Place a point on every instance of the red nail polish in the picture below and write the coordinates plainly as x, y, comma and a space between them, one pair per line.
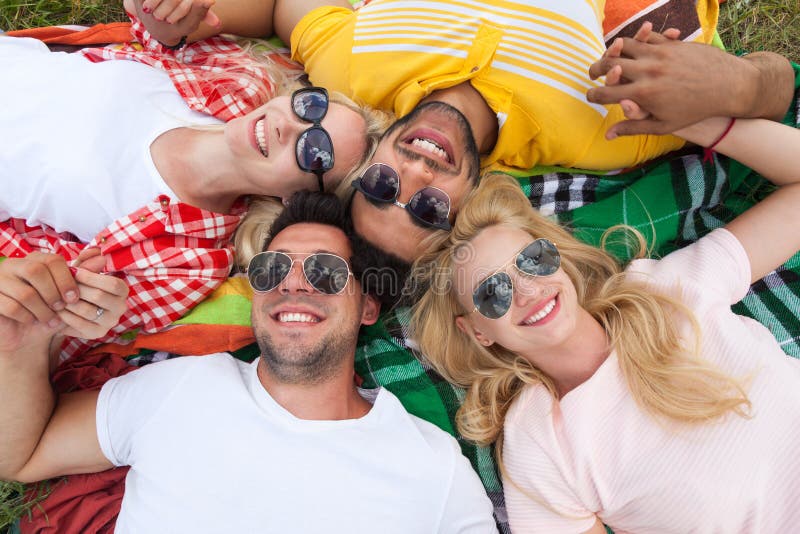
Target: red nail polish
146, 9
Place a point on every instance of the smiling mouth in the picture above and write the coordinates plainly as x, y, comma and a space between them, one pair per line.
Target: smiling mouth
428, 145
261, 137
541, 314
296, 317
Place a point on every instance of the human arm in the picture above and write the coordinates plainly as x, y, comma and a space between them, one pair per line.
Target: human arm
767, 231
680, 83
44, 436
172, 19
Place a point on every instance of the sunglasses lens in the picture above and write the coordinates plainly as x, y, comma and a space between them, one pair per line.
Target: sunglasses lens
310, 105
380, 182
315, 150
267, 270
492, 297
431, 206
540, 258
327, 273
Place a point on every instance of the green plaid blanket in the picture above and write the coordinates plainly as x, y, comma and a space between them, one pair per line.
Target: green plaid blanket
673, 202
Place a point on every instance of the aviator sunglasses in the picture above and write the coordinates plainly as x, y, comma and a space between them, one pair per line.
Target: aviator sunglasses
381, 183
314, 149
492, 297
327, 273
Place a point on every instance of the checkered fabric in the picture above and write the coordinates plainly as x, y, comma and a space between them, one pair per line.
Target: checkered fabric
171, 255
214, 76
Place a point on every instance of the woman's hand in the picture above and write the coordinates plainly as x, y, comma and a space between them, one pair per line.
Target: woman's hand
169, 21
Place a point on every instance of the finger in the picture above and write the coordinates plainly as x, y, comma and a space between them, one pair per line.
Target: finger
615, 50
148, 6
50, 275
95, 298
614, 76
643, 33
637, 127
103, 282
78, 326
212, 19
632, 110
23, 303
164, 9
672, 34
181, 10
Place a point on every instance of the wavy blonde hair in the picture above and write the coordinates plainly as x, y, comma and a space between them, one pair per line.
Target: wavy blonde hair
664, 377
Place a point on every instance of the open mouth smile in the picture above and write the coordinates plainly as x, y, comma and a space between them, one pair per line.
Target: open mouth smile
543, 313
261, 137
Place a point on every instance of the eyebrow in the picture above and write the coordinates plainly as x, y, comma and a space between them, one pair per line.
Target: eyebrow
318, 251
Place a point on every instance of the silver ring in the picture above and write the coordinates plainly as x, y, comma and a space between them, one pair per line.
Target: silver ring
99, 311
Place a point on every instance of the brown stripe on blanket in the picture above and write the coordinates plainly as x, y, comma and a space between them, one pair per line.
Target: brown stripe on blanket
681, 14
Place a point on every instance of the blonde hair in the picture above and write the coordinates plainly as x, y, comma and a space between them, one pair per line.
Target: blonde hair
664, 378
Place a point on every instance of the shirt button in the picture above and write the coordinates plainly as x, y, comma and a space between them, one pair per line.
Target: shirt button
142, 218
103, 239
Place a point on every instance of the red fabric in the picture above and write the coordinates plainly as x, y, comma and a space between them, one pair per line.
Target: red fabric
90, 503
114, 32
171, 255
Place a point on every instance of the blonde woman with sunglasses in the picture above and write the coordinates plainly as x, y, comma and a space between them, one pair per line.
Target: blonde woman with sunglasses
631, 396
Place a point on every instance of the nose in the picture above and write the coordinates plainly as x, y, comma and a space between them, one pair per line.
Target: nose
289, 128
414, 175
295, 281
528, 290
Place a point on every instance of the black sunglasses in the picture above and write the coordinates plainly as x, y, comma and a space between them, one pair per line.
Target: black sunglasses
381, 183
492, 297
327, 273
314, 149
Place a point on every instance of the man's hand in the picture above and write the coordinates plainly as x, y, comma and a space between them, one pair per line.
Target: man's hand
169, 21
39, 297
679, 83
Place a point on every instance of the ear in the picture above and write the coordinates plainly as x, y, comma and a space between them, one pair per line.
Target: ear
370, 310
468, 328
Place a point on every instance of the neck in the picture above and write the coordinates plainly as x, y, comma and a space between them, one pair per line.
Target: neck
194, 164
335, 399
579, 357
471, 104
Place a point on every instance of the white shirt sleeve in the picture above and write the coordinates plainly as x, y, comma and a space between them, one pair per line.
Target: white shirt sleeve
467, 510
128, 402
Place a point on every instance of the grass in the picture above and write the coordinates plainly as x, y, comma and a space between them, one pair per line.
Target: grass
745, 25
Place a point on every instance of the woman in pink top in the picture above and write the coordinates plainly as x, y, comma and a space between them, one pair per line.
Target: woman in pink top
632, 397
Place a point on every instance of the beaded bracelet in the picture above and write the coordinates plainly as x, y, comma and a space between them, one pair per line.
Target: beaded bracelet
708, 152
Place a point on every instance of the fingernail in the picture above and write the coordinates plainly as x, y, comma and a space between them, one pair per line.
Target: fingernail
147, 9
58, 306
71, 296
54, 323
611, 136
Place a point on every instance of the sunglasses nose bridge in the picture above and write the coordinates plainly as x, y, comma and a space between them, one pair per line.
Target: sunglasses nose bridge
295, 280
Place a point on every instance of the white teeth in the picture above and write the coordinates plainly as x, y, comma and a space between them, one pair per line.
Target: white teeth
287, 317
541, 314
261, 137
430, 146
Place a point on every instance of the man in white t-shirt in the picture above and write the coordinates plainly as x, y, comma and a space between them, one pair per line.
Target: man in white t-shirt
285, 444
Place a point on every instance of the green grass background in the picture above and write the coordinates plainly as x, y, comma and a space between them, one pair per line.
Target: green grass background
745, 26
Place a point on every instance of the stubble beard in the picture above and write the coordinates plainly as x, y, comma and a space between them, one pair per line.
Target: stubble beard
299, 364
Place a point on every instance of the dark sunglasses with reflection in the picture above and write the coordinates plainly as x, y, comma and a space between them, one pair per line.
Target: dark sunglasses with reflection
492, 298
314, 149
326, 273
381, 183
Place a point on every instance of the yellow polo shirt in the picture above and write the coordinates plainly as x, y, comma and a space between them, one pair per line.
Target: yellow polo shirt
530, 62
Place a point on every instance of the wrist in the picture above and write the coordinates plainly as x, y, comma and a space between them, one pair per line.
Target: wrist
176, 46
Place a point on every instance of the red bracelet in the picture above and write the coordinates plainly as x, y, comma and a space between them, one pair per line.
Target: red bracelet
708, 152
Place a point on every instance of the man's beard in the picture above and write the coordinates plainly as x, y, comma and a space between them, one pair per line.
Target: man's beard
298, 364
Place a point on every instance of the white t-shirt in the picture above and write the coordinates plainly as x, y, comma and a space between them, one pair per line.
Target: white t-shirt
211, 451
75, 136
597, 452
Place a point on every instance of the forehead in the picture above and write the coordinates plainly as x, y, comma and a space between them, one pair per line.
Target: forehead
490, 250
348, 131
312, 237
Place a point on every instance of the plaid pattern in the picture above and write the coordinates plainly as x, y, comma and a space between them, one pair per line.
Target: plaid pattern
171, 255
214, 76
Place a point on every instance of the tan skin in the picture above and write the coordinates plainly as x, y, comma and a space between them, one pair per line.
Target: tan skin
47, 436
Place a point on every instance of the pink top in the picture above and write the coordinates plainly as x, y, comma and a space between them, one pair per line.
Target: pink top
597, 453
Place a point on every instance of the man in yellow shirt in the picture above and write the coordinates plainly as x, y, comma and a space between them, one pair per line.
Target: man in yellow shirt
506, 79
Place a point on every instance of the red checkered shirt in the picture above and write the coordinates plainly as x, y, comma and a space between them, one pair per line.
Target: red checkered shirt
170, 254
214, 76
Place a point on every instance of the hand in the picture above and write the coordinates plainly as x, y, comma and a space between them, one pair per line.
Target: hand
676, 83
170, 20
39, 297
